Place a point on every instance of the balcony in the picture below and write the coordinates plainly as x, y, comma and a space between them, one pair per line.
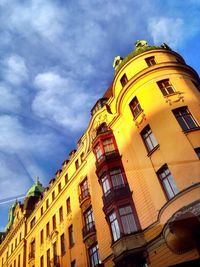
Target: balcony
84, 195
84, 199
115, 194
88, 231
130, 249
107, 157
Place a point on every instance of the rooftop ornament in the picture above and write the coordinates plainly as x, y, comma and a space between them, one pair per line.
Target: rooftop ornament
140, 46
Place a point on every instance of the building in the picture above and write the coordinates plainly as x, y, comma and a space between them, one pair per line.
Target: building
129, 196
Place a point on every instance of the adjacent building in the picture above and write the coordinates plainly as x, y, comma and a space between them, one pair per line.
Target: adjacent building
129, 195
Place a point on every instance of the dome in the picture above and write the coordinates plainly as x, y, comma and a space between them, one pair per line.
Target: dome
35, 190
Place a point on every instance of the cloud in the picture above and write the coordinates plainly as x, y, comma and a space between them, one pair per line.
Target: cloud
15, 70
9, 101
167, 30
62, 100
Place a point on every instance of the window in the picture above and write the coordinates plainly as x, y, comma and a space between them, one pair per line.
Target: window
32, 250
47, 230
127, 219
15, 242
14, 263
54, 221
54, 249
68, 203
185, 118
149, 138
71, 235
94, 255
167, 182
135, 107
165, 87
42, 261
150, 61
62, 244
84, 189
98, 151
124, 80
59, 188
48, 257
89, 219
41, 236
41, 211
108, 145
77, 164
61, 214
197, 150
66, 178
114, 226
19, 261
117, 178
53, 195
105, 184
32, 222
47, 204
20, 237
73, 263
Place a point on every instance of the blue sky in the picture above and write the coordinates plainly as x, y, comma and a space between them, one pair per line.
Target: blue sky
56, 61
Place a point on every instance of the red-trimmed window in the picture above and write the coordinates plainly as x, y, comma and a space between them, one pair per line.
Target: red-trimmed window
105, 184
112, 179
98, 151
108, 145
105, 146
122, 222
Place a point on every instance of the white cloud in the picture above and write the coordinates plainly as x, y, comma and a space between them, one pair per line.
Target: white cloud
37, 16
8, 100
167, 30
62, 101
15, 70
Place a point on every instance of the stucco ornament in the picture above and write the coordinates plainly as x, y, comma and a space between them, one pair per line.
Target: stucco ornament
141, 44
117, 61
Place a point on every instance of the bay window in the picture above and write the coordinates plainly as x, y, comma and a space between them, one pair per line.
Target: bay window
122, 222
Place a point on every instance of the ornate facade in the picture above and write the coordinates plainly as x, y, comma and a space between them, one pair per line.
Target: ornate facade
129, 196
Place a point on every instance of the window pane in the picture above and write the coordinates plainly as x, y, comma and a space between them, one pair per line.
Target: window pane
114, 226
167, 181
185, 118
117, 178
128, 221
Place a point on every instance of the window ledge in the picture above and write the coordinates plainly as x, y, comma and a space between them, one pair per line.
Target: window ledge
141, 112
152, 151
191, 130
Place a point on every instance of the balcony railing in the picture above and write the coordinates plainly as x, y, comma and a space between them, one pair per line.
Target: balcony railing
84, 195
88, 230
116, 193
107, 157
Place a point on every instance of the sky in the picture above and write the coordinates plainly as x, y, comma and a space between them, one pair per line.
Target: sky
56, 61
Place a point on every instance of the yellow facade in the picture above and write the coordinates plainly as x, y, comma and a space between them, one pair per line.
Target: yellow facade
130, 194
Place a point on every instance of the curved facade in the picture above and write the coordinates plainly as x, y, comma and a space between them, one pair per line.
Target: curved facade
130, 194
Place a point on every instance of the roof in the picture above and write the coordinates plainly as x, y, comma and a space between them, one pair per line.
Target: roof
36, 189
